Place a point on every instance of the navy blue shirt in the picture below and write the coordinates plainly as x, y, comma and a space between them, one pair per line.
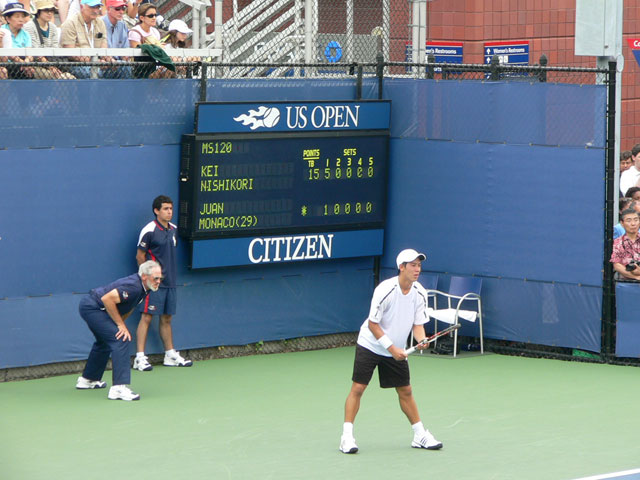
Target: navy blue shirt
130, 290
160, 244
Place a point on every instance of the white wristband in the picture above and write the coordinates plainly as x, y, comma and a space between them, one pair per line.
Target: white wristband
385, 342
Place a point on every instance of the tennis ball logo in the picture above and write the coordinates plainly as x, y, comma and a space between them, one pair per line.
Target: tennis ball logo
262, 117
271, 117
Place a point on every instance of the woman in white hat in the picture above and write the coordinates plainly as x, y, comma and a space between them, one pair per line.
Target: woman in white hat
177, 38
178, 34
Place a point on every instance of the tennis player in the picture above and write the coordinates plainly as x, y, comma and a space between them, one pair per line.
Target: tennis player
399, 305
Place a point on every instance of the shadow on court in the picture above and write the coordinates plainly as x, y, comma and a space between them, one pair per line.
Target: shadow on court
280, 417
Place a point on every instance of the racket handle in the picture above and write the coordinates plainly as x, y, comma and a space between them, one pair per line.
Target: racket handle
410, 350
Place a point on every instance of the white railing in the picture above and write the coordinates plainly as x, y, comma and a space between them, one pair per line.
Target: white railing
204, 53
267, 31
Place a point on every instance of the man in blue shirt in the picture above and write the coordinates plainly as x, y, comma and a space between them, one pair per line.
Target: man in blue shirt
117, 35
158, 241
117, 31
105, 310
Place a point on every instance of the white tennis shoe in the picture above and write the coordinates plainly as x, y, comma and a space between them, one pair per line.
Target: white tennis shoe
176, 360
426, 440
122, 392
85, 384
348, 444
142, 363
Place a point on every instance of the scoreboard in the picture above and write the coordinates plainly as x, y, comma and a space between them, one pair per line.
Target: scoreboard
301, 172
237, 185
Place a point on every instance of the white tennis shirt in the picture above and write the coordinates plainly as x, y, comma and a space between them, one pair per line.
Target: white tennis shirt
396, 314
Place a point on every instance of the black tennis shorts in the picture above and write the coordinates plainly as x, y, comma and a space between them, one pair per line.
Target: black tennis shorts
391, 373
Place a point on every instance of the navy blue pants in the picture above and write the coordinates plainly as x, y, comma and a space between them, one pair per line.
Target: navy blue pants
106, 344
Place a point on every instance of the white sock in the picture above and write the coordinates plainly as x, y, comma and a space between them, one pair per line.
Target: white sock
171, 352
139, 354
418, 428
347, 429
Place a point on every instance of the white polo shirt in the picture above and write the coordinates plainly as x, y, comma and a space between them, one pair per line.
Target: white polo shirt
629, 178
396, 314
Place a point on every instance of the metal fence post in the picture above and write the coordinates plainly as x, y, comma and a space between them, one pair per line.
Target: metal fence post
542, 74
429, 71
94, 69
379, 72
608, 283
495, 68
204, 74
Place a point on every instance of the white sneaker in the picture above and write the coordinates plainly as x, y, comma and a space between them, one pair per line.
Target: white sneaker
122, 392
426, 441
348, 444
176, 361
142, 364
85, 384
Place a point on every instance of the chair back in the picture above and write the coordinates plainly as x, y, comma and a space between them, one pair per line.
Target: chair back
462, 285
428, 281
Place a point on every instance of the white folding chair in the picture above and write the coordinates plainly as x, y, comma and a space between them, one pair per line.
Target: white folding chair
461, 290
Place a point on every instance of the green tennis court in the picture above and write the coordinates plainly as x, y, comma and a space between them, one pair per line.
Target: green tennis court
280, 417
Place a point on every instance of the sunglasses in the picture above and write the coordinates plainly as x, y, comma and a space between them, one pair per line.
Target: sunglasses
151, 15
120, 9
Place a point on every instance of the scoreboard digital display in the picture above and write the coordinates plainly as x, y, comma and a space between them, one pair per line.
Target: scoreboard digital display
243, 184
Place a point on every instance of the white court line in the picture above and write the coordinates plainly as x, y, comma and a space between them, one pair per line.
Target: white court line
610, 475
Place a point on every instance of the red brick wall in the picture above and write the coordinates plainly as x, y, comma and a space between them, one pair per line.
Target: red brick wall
549, 26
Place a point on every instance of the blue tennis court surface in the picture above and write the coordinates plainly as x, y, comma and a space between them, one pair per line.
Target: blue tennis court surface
625, 475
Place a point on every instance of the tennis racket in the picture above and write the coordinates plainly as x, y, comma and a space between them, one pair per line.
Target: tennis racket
433, 337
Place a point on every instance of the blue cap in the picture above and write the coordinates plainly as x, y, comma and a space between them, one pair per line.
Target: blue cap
91, 3
13, 8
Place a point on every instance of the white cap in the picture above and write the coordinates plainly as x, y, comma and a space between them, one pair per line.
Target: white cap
409, 255
179, 26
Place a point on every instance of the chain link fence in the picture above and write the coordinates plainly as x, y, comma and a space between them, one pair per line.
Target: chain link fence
350, 67
142, 67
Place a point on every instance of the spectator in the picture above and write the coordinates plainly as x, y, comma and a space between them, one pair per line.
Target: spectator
177, 38
633, 193
623, 204
117, 34
145, 31
178, 34
625, 161
86, 30
117, 31
626, 249
45, 34
5, 42
630, 177
68, 9
16, 17
42, 30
